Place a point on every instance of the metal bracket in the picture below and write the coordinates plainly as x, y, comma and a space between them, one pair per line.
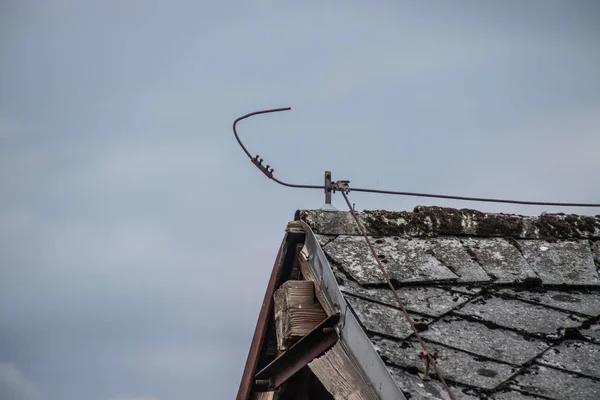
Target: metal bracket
427, 356
311, 346
332, 187
268, 171
341, 186
327, 187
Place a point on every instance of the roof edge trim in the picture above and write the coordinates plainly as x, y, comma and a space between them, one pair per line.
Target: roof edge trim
352, 337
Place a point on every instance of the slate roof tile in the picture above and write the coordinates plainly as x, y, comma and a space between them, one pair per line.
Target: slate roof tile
452, 253
500, 259
406, 260
477, 285
595, 247
417, 389
513, 395
574, 356
561, 263
430, 301
324, 239
556, 384
384, 320
498, 344
521, 316
455, 365
573, 300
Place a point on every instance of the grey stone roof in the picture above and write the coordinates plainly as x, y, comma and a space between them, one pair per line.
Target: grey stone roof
511, 303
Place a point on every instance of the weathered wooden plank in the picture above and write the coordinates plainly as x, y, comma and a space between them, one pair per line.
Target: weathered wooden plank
263, 396
310, 276
295, 273
295, 227
297, 312
341, 376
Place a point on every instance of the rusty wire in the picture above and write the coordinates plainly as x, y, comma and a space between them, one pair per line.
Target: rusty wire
430, 357
268, 171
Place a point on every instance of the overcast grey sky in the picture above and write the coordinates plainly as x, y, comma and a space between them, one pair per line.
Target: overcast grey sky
136, 239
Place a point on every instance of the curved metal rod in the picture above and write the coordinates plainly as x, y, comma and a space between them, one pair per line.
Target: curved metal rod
267, 170
272, 110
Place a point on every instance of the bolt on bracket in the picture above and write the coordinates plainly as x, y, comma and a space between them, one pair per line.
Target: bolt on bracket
332, 187
427, 356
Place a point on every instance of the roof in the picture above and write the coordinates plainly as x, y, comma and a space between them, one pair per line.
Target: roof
510, 303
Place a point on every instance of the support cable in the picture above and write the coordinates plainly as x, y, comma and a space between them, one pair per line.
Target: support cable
268, 171
430, 357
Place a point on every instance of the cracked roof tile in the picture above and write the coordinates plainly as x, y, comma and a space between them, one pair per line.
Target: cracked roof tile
430, 301
570, 300
500, 259
519, 315
561, 263
384, 320
475, 337
324, 239
405, 260
417, 389
555, 384
456, 366
452, 253
574, 356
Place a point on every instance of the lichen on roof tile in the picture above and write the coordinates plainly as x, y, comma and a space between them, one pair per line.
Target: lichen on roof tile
440, 221
596, 252
424, 300
520, 316
416, 388
587, 303
329, 222
500, 259
452, 253
563, 262
324, 239
405, 260
556, 384
475, 337
456, 366
383, 320
574, 356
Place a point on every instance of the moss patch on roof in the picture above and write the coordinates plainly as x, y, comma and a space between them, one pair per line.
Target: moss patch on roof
441, 221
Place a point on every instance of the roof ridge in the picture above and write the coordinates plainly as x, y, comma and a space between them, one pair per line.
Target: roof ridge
442, 221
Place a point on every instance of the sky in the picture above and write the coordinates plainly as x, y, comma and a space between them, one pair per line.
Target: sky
136, 239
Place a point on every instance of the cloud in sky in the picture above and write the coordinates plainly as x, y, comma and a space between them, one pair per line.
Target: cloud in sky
14, 385
136, 240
